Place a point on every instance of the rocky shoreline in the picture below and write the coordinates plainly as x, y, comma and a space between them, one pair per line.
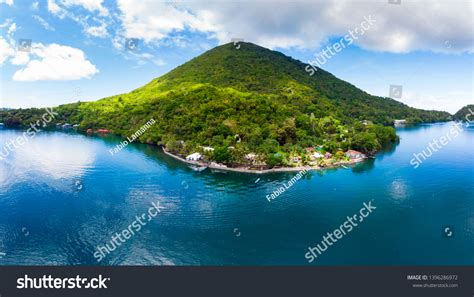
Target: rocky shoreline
262, 171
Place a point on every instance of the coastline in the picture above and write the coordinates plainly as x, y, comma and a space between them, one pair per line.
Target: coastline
263, 171
216, 166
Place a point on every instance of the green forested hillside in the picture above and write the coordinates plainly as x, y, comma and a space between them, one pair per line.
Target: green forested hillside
244, 100
464, 112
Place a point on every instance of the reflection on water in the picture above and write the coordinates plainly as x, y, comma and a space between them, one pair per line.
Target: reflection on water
72, 195
365, 166
398, 190
48, 156
54, 157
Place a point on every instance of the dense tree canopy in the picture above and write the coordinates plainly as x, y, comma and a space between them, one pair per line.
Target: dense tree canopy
241, 101
463, 113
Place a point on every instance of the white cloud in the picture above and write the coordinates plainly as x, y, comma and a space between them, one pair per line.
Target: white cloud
96, 31
90, 5
144, 58
8, 2
59, 7
35, 5
6, 50
11, 29
43, 23
95, 11
54, 8
7, 23
20, 58
154, 20
443, 26
55, 62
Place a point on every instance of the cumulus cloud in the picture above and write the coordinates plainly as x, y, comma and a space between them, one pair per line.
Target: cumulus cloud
153, 20
8, 2
96, 31
55, 62
6, 50
59, 7
20, 58
444, 26
94, 11
90, 5
54, 8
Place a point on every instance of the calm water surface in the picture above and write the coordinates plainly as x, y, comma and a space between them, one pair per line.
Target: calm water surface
215, 218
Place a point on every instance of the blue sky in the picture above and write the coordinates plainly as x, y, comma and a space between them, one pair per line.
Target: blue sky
78, 47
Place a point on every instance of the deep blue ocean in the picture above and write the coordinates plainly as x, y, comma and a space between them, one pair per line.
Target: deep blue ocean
63, 194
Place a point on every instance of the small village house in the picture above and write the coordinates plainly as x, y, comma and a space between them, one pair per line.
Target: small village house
399, 123
296, 159
352, 154
315, 156
194, 157
250, 157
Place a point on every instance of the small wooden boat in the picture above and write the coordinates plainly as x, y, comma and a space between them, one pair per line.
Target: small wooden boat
198, 168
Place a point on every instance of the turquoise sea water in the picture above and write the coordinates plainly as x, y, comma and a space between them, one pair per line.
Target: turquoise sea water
63, 194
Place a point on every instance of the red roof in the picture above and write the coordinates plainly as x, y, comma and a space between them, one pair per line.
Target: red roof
310, 149
352, 152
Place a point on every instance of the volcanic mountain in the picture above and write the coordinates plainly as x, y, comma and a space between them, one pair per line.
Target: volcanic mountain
248, 98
